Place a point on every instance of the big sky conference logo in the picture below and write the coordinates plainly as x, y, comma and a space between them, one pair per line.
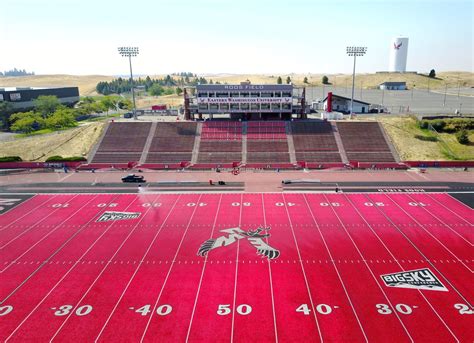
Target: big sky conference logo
255, 238
414, 279
109, 216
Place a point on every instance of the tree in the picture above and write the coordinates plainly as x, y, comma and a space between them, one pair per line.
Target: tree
6, 108
462, 137
46, 104
279, 80
26, 121
305, 80
155, 90
63, 117
432, 73
108, 103
325, 80
288, 80
179, 90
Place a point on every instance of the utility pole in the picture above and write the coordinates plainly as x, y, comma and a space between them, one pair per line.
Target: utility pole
127, 51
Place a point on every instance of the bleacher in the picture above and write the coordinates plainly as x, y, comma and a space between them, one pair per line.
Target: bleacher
221, 142
172, 143
315, 142
267, 142
364, 142
123, 142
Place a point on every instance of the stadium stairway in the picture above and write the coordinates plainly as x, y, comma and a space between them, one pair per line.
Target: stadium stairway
291, 143
244, 142
197, 144
146, 148
340, 146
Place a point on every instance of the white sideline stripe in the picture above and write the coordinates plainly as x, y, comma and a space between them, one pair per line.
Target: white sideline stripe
169, 270
420, 252
202, 273
335, 268
138, 267
432, 236
302, 268
396, 261
62, 278
270, 273
103, 269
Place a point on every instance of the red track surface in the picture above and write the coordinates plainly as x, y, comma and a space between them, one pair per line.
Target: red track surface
66, 277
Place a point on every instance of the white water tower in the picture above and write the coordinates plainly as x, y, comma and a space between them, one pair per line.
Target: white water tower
398, 55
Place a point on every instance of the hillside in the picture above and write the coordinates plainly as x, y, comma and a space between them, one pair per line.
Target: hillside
73, 142
86, 83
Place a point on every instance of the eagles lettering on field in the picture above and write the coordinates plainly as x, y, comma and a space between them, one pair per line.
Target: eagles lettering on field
255, 238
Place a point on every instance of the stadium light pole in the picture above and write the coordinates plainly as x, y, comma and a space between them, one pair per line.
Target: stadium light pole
354, 51
127, 51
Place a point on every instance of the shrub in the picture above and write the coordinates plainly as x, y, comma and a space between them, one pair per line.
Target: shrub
426, 138
10, 159
462, 137
438, 124
65, 159
423, 124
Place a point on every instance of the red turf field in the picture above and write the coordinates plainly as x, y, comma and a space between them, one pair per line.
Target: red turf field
67, 277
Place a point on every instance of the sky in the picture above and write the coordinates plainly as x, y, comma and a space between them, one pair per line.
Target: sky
236, 37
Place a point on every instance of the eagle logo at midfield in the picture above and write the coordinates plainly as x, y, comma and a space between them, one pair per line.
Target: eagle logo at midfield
397, 46
234, 234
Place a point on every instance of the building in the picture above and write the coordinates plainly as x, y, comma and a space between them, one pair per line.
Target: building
22, 98
333, 102
245, 101
398, 55
393, 86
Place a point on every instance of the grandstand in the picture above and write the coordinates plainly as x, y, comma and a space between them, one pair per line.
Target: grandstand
365, 142
212, 143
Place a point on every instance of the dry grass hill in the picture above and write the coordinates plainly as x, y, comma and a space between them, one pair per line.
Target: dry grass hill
87, 83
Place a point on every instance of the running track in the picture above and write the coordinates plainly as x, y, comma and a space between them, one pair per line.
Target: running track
67, 277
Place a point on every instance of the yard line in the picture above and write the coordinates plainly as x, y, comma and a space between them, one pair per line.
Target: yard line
450, 210
63, 277
27, 213
429, 233
105, 267
457, 215
202, 272
136, 270
302, 269
370, 270
169, 270
398, 263
236, 272
334, 265
419, 251
270, 271
31, 227
46, 236
50, 257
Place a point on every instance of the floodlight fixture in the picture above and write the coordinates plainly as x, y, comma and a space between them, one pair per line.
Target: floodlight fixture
355, 51
130, 51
